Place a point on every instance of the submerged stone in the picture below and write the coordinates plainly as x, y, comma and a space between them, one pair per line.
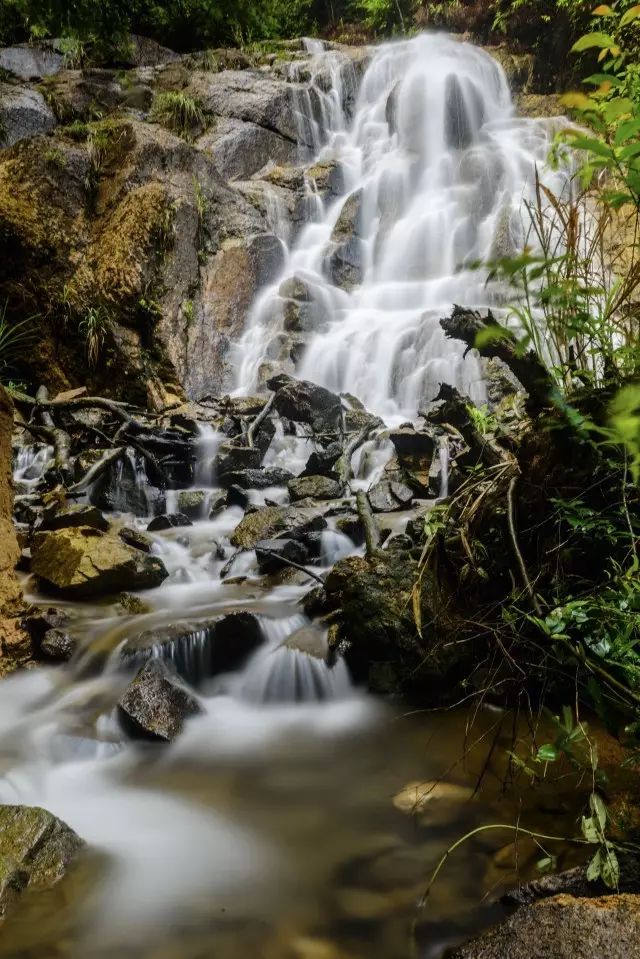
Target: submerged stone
36, 849
57, 646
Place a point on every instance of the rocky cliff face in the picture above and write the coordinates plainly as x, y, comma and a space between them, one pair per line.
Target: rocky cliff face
14, 645
131, 238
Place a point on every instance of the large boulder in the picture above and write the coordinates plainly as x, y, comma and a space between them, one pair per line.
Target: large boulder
28, 62
83, 562
36, 849
76, 514
563, 927
241, 148
156, 705
271, 522
23, 113
305, 402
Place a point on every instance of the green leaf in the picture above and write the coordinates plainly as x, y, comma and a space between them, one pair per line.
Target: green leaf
591, 40
590, 830
546, 864
626, 131
631, 14
594, 869
547, 753
492, 334
617, 108
592, 145
610, 868
598, 809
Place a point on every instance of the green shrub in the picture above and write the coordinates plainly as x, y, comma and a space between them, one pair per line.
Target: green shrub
179, 112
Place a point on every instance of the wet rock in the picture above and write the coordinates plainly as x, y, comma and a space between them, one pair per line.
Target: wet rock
352, 527
272, 554
346, 264
270, 521
236, 496
564, 927
57, 646
28, 62
199, 650
305, 402
125, 488
83, 562
135, 538
434, 802
259, 479
168, 521
192, 503
304, 317
388, 496
315, 487
23, 113
67, 517
295, 288
219, 501
39, 624
36, 849
233, 459
322, 461
327, 178
411, 442
372, 600
155, 705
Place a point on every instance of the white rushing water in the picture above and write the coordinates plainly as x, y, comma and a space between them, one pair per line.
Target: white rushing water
436, 166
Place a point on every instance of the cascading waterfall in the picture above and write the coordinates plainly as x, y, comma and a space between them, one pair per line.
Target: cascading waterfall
436, 167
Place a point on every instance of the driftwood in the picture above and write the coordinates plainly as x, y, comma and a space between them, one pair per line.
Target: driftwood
260, 418
354, 444
464, 324
97, 469
53, 437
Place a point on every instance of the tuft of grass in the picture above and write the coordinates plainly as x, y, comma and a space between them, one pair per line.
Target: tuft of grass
179, 113
93, 327
15, 339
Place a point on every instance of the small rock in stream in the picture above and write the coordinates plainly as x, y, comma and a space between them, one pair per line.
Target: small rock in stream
272, 554
315, 487
389, 496
168, 521
259, 478
156, 705
321, 462
58, 646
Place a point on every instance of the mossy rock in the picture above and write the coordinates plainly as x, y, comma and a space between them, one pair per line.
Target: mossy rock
35, 850
81, 562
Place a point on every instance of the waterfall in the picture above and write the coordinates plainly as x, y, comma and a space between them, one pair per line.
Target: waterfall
436, 167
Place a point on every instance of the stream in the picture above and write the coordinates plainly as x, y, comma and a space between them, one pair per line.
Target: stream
279, 823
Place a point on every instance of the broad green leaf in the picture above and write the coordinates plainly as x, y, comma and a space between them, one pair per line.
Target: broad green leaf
491, 334
594, 869
597, 78
626, 130
598, 810
628, 152
591, 40
631, 14
610, 869
590, 830
589, 144
547, 753
617, 108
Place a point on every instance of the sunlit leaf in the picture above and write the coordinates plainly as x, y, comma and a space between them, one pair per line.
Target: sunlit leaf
547, 753
577, 101
591, 40
631, 14
598, 809
610, 869
590, 829
594, 869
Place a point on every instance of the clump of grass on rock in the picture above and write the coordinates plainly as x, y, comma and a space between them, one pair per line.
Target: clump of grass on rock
179, 113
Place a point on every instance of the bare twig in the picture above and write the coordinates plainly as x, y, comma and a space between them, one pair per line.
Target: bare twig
260, 418
514, 540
